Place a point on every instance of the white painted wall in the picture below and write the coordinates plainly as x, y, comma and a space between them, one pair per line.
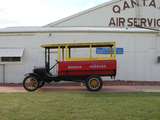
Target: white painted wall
33, 55
139, 59
137, 63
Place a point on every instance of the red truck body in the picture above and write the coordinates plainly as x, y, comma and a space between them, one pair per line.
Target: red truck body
86, 68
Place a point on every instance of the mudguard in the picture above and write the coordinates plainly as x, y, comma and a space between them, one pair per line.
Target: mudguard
32, 74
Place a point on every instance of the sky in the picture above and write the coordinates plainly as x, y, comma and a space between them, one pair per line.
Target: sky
40, 12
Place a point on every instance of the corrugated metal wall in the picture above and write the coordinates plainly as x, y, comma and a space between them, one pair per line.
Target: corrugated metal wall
139, 61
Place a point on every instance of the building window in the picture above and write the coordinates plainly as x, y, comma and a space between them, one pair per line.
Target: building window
11, 55
10, 59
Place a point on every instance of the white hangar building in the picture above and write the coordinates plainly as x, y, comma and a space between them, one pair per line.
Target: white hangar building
133, 24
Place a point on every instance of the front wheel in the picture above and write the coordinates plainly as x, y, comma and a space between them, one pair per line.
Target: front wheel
94, 83
31, 83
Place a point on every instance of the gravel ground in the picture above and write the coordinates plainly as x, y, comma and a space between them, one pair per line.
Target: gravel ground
107, 89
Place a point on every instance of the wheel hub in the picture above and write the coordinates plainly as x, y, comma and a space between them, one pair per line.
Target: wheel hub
31, 83
94, 83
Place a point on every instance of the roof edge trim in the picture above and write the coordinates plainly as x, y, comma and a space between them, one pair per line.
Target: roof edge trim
76, 29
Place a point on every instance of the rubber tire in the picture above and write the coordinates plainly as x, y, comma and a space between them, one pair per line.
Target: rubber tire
41, 84
87, 82
30, 89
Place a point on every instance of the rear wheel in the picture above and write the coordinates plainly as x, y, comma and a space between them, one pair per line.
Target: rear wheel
31, 83
94, 83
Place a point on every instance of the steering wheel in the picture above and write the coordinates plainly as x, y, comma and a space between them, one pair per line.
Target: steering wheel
57, 61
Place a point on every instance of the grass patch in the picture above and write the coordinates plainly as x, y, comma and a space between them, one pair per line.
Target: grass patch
80, 106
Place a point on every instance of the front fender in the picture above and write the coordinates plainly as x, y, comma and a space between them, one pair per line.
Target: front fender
32, 74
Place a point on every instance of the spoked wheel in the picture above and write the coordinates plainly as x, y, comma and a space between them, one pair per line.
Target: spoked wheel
94, 83
31, 83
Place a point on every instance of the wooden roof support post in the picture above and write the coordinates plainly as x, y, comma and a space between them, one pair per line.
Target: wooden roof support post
67, 52
90, 51
59, 53
62, 54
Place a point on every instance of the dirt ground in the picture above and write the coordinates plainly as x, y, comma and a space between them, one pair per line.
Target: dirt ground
72, 88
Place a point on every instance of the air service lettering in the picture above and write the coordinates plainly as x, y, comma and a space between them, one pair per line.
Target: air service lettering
133, 22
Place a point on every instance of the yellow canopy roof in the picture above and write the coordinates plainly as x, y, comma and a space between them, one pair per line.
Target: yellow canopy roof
80, 45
